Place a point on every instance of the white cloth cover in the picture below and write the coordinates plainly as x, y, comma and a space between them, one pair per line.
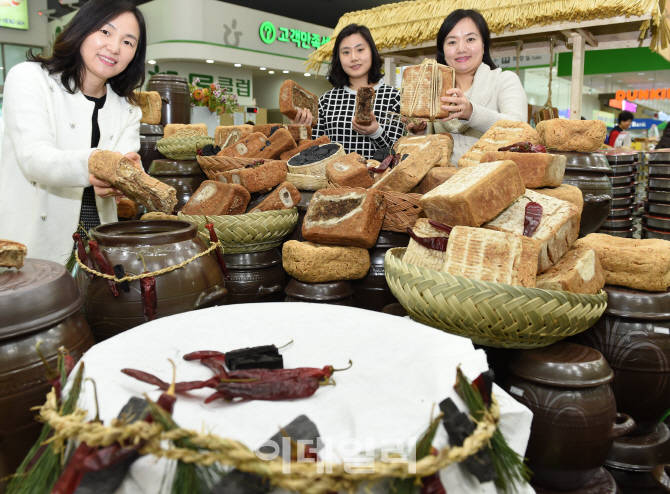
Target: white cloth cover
401, 371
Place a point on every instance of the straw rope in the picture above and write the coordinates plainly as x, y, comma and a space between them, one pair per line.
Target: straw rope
519, 44
308, 478
169, 269
433, 91
183, 148
402, 211
415, 22
492, 314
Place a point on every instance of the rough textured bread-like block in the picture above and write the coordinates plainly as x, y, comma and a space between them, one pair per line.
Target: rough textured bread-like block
122, 173
12, 254
170, 129
566, 192
584, 136
261, 177
126, 208
154, 215
474, 195
536, 169
492, 256
350, 217
365, 103
559, 225
302, 145
258, 145
349, 171
285, 196
638, 264
421, 256
411, 83
151, 106
412, 168
578, 271
227, 135
436, 177
313, 263
293, 97
216, 198
410, 143
298, 132
503, 133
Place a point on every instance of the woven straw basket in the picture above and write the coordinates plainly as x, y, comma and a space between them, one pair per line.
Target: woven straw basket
212, 165
489, 313
317, 169
402, 211
182, 148
307, 182
250, 232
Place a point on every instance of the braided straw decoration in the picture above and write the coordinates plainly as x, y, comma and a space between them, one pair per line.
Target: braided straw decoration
183, 148
308, 478
307, 182
488, 313
402, 211
249, 232
317, 169
169, 269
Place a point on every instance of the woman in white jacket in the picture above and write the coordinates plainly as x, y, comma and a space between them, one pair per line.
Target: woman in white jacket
58, 112
482, 94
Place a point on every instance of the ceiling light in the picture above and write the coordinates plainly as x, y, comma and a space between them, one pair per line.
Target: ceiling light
285, 71
307, 74
151, 61
640, 73
263, 68
608, 75
651, 79
271, 71
238, 65
209, 61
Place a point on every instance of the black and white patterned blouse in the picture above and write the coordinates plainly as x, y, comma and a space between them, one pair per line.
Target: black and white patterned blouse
336, 111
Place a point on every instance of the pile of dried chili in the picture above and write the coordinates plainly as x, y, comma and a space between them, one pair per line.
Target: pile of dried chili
524, 147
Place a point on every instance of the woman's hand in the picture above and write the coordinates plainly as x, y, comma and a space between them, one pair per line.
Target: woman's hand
135, 158
303, 117
463, 108
415, 128
104, 189
365, 130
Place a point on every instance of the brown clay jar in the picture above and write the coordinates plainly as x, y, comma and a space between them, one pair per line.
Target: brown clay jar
184, 176
333, 293
255, 277
634, 337
149, 136
176, 98
601, 483
566, 387
39, 302
162, 243
372, 292
588, 171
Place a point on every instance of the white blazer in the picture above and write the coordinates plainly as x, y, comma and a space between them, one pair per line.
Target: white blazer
45, 151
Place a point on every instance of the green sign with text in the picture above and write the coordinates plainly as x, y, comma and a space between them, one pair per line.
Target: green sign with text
302, 39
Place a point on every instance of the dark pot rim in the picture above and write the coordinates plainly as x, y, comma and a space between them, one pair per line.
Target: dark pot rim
155, 232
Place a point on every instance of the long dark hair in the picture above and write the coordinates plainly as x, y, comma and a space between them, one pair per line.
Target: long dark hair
66, 57
336, 74
450, 22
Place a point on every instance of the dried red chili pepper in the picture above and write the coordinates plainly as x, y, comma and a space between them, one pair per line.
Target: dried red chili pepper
71, 477
83, 256
434, 243
103, 264
524, 147
202, 354
432, 484
484, 384
287, 389
181, 387
440, 226
532, 218
148, 294
219, 257
386, 162
219, 395
273, 375
217, 366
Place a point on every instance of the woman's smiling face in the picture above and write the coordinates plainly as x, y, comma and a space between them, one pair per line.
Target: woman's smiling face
355, 56
463, 47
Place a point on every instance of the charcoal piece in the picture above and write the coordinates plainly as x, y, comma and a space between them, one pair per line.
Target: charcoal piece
382, 153
459, 427
267, 143
119, 272
404, 156
136, 409
237, 482
255, 362
210, 150
322, 152
251, 351
273, 130
311, 150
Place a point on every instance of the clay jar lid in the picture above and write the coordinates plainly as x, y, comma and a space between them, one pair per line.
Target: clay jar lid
151, 130
566, 365
595, 162
168, 78
253, 260
334, 290
306, 197
620, 156
388, 240
659, 156
639, 304
162, 167
640, 453
40, 294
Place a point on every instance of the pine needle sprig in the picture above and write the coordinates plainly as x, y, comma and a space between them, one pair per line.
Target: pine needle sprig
510, 467
189, 477
42, 466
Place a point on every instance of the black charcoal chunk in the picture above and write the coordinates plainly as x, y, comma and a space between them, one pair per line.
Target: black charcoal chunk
404, 156
136, 409
459, 427
263, 148
210, 150
300, 429
119, 272
254, 350
255, 362
274, 129
238, 482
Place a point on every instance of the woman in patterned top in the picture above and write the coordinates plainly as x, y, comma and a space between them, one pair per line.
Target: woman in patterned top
356, 63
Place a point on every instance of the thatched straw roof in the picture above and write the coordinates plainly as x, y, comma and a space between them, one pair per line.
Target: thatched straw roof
414, 22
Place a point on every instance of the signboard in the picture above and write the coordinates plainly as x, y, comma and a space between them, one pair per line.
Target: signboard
14, 14
644, 123
302, 39
524, 61
604, 116
640, 94
623, 105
